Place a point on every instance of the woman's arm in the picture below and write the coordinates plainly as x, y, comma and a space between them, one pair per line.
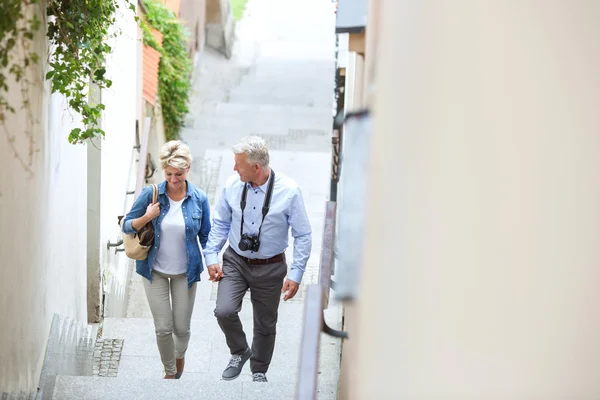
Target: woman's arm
141, 212
205, 226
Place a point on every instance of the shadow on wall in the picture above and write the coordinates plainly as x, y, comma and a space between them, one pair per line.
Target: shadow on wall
70, 351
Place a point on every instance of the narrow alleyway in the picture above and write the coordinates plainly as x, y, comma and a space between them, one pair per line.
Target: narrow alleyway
278, 84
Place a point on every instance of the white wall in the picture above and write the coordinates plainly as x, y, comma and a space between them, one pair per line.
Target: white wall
118, 155
483, 273
42, 233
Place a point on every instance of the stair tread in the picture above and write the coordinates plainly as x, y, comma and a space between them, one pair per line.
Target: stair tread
92, 388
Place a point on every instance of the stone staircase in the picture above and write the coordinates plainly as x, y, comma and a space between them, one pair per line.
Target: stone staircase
278, 84
139, 370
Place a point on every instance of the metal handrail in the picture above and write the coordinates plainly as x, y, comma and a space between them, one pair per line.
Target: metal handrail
326, 260
311, 340
316, 300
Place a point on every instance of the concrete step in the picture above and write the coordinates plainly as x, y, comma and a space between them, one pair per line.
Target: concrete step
296, 128
224, 140
94, 388
299, 88
207, 354
291, 99
271, 111
290, 69
299, 81
69, 351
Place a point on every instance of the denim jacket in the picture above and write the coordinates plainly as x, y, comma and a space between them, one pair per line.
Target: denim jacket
196, 213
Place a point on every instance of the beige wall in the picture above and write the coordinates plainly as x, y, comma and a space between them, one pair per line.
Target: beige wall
192, 13
215, 10
220, 26
483, 275
118, 160
353, 93
42, 233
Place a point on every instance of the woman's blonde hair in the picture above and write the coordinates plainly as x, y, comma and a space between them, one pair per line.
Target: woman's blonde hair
175, 154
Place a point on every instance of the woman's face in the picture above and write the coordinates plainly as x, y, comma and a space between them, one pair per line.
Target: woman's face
176, 177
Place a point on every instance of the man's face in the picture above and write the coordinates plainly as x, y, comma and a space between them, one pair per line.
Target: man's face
247, 172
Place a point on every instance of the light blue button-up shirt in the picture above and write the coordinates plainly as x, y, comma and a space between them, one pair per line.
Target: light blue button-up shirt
286, 211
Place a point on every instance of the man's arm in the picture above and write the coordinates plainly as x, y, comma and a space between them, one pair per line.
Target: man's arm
302, 235
219, 231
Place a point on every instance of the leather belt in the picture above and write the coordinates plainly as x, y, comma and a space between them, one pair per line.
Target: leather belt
263, 261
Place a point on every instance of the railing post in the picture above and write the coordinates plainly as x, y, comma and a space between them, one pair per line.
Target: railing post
326, 261
311, 339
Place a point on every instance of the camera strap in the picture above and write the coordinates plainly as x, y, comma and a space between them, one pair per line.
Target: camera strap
266, 203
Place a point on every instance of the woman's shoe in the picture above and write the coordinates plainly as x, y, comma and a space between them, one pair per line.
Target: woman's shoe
179, 363
170, 377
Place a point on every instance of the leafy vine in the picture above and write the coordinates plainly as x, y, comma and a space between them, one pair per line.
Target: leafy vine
175, 66
79, 33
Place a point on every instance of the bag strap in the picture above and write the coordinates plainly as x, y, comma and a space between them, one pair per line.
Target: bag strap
154, 194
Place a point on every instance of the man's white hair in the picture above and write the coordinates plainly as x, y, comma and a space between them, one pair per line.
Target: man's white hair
255, 148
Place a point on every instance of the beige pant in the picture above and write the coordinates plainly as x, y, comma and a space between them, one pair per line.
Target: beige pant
171, 304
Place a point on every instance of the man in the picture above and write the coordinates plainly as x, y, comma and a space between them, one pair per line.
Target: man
255, 259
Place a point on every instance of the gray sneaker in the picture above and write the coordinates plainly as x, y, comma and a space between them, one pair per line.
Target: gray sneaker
259, 377
234, 368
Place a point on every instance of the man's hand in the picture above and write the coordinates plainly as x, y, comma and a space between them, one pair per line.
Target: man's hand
291, 288
215, 273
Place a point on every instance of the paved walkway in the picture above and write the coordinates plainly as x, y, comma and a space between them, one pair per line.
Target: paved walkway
278, 84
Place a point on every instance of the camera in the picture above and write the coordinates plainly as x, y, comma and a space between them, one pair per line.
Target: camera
249, 242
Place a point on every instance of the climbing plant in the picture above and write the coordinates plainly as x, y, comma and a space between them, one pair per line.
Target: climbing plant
174, 68
78, 33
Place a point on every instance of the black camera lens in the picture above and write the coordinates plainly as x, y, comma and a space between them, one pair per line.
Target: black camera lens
244, 245
249, 242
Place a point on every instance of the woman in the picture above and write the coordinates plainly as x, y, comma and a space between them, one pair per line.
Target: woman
174, 263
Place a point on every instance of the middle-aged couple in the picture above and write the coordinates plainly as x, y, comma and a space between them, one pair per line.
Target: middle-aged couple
255, 258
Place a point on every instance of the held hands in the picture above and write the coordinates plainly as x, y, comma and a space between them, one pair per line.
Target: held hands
215, 273
153, 211
291, 288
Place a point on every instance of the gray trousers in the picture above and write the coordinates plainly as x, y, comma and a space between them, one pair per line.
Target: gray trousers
265, 283
171, 304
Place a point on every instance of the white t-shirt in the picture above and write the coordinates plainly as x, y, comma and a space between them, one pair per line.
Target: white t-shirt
171, 257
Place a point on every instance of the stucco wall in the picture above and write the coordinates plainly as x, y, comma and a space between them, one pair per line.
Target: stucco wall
481, 255
220, 26
119, 157
193, 14
42, 232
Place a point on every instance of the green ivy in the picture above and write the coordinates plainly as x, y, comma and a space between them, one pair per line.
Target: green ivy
175, 66
80, 32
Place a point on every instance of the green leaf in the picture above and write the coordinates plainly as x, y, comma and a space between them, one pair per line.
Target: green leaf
99, 74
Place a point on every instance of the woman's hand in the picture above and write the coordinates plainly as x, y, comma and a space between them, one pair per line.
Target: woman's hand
152, 211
